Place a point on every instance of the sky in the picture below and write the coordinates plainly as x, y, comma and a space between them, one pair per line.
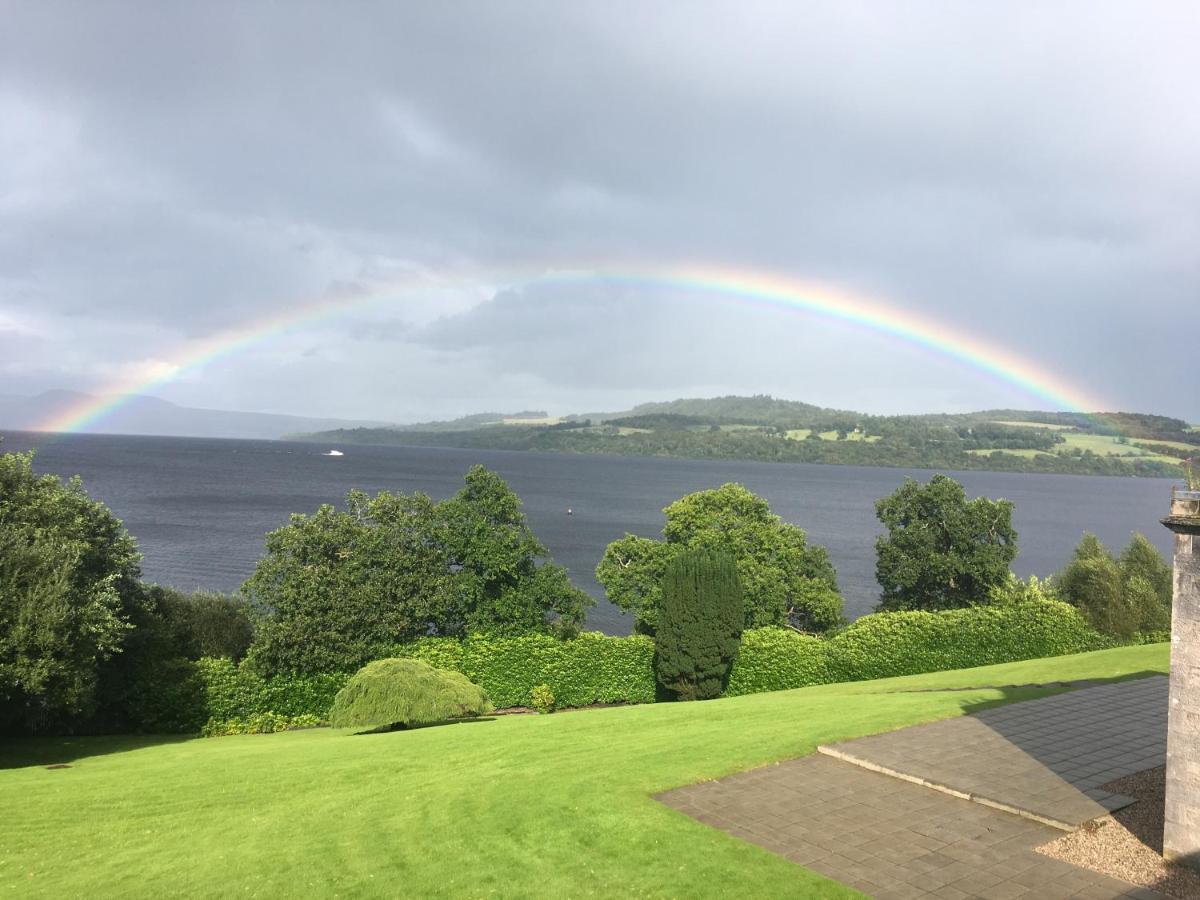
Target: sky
1024, 173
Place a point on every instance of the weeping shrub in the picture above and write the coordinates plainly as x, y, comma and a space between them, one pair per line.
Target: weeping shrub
405, 692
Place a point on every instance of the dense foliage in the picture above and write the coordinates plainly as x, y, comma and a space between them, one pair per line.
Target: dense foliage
941, 551
535, 670
591, 668
342, 586
405, 692
699, 626
68, 594
1121, 596
904, 643
784, 578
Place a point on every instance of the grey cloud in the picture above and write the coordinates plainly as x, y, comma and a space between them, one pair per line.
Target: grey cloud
1023, 173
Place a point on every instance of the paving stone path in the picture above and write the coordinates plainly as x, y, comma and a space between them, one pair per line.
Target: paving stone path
896, 837
1043, 758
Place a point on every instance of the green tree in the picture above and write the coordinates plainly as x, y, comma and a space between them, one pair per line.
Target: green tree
1120, 596
786, 581
1092, 582
341, 587
699, 626
941, 551
68, 591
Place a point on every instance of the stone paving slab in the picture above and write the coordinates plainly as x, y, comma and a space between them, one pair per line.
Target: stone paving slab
889, 838
1044, 759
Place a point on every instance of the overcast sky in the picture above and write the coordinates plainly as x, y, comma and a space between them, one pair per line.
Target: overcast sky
1025, 172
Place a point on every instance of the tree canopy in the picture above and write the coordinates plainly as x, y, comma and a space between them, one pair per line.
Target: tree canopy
68, 592
941, 551
342, 587
1121, 595
785, 580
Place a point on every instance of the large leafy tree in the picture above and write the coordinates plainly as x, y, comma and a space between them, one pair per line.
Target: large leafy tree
785, 580
941, 551
341, 587
69, 593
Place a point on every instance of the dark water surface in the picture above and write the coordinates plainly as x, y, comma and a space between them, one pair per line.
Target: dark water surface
199, 507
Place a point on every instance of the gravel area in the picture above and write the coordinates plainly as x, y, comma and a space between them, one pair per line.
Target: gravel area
1128, 844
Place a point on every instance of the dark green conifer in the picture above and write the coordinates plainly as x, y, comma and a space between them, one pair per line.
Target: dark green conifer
700, 625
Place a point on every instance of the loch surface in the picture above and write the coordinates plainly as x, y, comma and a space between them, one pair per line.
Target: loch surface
199, 507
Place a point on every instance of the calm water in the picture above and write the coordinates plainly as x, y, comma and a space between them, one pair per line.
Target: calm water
199, 507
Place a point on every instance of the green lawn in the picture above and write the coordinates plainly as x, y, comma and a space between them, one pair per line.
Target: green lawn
519, 806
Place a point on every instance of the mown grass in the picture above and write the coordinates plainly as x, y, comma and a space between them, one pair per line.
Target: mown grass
519, 806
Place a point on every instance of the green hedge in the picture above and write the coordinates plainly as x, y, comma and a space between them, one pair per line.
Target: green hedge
595, 668
911, 642
237, 694
592, 668
778, 659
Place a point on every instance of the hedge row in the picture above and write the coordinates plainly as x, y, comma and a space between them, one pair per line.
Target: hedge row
595, 668
592, 668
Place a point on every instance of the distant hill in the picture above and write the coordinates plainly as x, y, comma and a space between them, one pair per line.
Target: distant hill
766, 428
150, 415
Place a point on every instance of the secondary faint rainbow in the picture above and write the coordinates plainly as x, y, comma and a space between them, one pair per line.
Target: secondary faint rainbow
752, 287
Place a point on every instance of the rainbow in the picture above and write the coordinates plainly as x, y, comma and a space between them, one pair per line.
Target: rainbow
748, 286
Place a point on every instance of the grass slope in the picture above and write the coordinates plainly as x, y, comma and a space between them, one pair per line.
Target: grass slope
520, 806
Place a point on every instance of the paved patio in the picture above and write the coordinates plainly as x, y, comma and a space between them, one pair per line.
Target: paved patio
896, 837
1043, 758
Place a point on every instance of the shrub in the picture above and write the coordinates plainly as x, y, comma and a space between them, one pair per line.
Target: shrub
542, 699
778, 659
699, 625
911, 642
261, 723
592, 668
405, 692
238, 692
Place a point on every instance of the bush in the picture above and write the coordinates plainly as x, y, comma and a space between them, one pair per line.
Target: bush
405, 692
542, 699
218, 624
238, 693
595, 668
592, 668
778, 659
262, 723
911, 642
699, 625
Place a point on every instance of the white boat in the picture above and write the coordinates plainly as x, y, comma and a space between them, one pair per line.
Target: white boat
333, 453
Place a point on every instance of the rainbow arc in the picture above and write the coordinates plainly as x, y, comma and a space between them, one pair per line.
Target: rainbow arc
734, 285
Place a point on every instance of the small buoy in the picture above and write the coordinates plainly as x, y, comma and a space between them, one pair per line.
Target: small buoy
570, 512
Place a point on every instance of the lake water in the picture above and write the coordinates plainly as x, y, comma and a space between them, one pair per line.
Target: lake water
199, 507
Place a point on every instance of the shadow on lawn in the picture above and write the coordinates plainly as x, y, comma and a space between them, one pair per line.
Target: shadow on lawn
19, 753
391, 729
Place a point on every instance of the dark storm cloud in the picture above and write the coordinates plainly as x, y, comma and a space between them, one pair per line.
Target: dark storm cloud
1023, 172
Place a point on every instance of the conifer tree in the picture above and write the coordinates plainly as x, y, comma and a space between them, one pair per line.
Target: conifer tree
700, 625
